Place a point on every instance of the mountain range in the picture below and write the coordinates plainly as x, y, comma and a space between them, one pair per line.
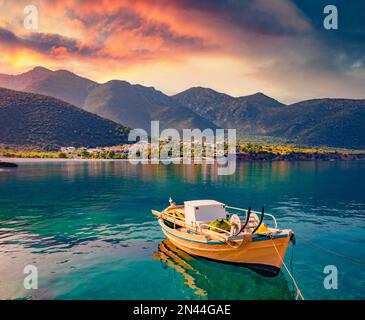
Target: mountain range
319, 122
134, 106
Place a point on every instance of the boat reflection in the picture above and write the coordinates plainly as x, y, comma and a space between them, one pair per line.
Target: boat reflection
212, 280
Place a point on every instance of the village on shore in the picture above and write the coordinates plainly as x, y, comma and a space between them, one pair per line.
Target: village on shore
243, 151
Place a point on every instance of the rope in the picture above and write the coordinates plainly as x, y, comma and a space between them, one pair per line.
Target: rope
354, 260
299, 293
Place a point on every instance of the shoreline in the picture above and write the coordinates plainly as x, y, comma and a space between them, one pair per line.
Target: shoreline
204, 161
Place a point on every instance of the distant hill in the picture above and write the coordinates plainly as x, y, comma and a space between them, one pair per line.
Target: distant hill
244, 113
22, 81
60, 84
63, 85
33, 119
137, 106
328, 122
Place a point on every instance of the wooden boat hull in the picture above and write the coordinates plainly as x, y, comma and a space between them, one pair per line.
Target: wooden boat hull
259, 254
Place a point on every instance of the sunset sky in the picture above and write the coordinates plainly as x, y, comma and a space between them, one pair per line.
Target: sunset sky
238, 47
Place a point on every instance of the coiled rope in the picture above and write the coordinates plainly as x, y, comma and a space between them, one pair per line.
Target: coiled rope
299, 293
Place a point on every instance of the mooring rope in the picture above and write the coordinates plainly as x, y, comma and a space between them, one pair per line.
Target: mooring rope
354, 260
299, 293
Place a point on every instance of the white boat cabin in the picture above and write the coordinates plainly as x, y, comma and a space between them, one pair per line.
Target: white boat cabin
203, 211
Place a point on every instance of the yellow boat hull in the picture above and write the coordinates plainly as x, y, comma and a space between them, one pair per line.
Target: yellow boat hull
261, 253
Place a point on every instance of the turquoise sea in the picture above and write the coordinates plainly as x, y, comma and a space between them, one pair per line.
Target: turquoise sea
88, 229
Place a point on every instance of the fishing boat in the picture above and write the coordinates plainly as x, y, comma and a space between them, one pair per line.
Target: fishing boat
248, 241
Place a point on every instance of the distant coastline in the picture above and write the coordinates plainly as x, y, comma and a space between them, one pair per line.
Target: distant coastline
249, 157
244, 152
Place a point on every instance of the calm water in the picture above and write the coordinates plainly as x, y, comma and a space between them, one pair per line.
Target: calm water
87, 227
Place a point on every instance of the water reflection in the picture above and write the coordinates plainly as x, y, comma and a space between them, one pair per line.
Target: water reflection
212, 280
70, 169
51, 212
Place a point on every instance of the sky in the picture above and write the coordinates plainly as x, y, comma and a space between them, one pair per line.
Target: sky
239, 47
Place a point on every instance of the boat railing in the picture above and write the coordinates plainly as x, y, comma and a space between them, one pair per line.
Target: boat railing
273, 218
173, 216
256, 212
182, 220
